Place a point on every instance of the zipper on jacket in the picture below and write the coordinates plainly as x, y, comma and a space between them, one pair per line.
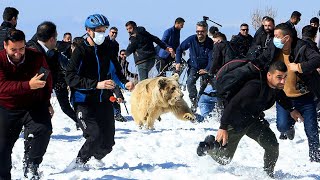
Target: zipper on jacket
96, 52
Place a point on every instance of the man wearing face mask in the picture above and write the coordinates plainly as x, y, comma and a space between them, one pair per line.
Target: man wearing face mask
200, 51
92, 73
302, 83
10, 19
315, 23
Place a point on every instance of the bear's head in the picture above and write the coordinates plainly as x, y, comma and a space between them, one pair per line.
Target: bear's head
170, 90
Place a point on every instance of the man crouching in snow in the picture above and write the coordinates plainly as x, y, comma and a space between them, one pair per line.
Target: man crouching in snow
242, 116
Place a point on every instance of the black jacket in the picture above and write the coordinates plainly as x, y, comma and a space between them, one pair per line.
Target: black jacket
311, 44
241, 44
4, 28
88, 66
248, 104
65, 48
141, 45
53, 58
308, 58
222, 53
260, 42
114, 45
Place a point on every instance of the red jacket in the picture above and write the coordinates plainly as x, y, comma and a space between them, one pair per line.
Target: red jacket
15, 92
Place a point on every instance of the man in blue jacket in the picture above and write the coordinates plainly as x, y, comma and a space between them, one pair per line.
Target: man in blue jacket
172, 38
200, 53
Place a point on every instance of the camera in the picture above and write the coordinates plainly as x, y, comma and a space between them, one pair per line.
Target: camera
209, 143
302, 88
205, 18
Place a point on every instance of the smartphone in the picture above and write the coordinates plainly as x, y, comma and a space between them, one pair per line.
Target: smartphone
45, 72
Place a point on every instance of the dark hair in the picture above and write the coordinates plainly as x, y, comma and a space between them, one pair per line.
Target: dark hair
285, 28
46, 30
179, 20
203, 24
219, 34
309, 31
114, 28
314, 20
122, 50
278, 65
244, 24
132, 23
213, 30
9, 13
15, 35
77, 41
295, 14
267, 18
66, 34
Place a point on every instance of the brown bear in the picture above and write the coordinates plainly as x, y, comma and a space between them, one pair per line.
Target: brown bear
156, 96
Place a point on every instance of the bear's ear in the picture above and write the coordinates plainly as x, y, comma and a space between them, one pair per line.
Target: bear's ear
175, 76
162, 83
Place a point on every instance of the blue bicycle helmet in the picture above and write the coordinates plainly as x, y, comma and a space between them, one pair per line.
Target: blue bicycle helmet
96, 20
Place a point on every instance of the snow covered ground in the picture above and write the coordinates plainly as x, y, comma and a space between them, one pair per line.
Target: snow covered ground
168, 152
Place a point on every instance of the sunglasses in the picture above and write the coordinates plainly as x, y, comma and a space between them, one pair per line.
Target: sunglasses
244, 29
113, 32
122, 54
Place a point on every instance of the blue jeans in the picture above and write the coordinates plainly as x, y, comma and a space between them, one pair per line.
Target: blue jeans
144, 68
207, 103
307, 107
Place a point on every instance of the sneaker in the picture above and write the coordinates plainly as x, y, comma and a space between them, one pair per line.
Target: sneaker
76, 164
120, 118
208, 144
31, 171
291, 133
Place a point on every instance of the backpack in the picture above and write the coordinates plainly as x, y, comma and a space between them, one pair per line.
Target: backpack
232, 76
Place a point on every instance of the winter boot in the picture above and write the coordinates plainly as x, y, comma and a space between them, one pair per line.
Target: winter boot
120, 118
283, 136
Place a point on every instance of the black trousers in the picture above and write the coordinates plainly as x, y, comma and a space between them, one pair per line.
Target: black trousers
259, 132
37, 127
98, 126
63, 99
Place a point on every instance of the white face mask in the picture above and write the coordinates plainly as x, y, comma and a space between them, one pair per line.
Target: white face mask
98, 38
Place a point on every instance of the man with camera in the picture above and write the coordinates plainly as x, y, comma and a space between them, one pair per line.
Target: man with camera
24, 101
243, 116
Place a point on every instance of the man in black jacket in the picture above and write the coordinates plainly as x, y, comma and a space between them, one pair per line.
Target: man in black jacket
242, 116
10, 19
241, 43
262, 38
294, 20
141, 44
45, 42
302, 85
92, 73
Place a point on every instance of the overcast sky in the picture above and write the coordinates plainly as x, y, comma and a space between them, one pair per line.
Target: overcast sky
155, 16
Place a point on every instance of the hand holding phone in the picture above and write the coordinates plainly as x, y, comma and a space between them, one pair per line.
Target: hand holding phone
45, 72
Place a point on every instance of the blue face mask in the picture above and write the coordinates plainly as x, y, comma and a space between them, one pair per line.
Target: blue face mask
277, 42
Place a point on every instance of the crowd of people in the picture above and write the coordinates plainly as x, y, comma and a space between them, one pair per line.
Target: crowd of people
93, 70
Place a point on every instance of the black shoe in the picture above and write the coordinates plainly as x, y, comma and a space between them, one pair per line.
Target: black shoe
315, 156
283, 136
120, 118
194, 105
31, 171
208, 143
291, 133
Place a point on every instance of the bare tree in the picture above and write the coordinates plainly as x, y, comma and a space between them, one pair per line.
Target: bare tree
258, 14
